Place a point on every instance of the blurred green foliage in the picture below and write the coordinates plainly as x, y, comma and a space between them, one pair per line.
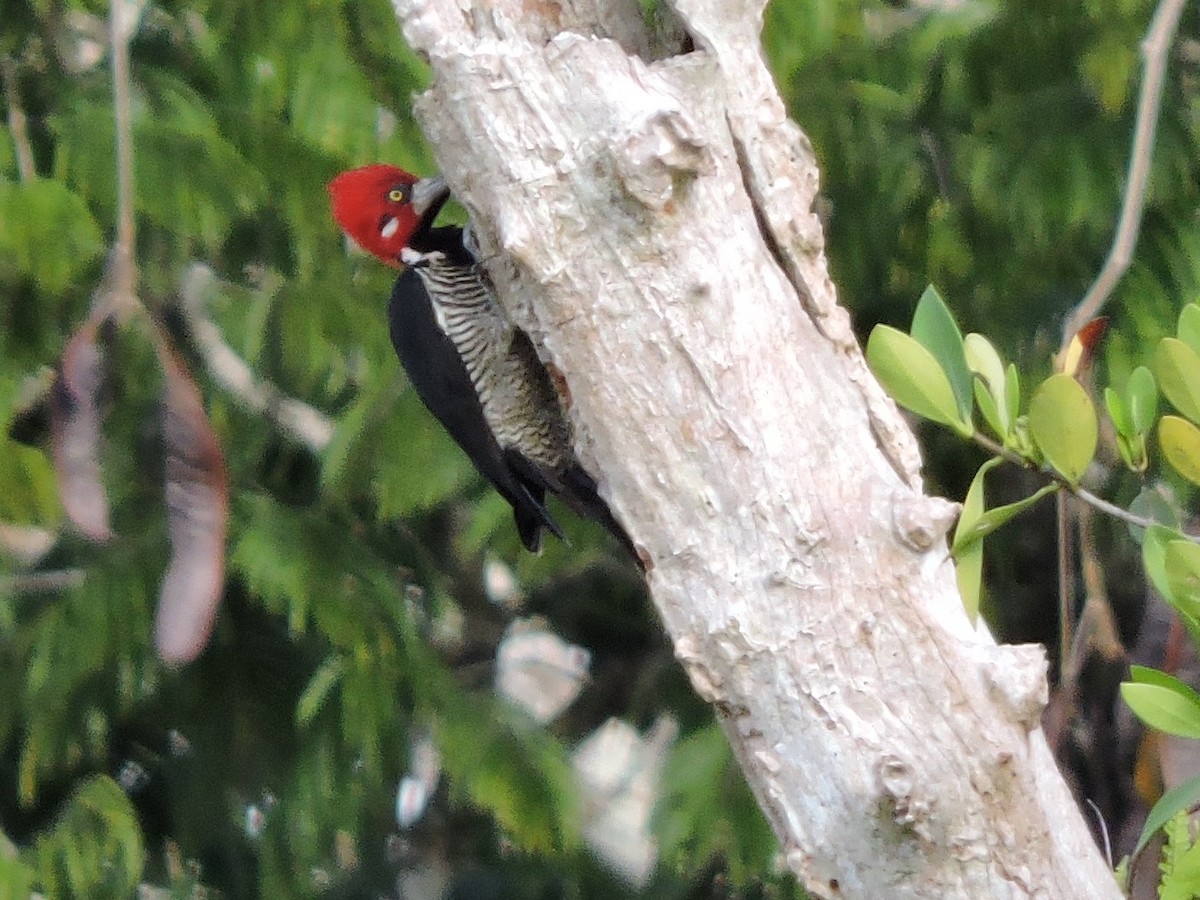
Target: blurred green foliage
981, 147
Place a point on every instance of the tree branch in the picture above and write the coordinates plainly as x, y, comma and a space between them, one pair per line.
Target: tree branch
1155, 51
650, 224
1083, 494
41, 582
16, 120
303, 423
120, 29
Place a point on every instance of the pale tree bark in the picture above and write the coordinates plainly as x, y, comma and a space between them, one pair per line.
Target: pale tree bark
647, 217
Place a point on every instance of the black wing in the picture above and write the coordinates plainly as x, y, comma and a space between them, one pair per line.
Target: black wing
441, 381
578, 490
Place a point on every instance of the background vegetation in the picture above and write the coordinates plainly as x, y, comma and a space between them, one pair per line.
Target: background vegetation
979, 146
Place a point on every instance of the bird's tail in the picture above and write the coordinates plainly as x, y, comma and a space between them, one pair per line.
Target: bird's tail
529, 510
580, 493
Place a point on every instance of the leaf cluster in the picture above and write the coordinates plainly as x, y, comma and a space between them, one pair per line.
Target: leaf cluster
931, 371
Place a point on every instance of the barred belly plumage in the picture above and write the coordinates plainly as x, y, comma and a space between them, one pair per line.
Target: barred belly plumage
520, 404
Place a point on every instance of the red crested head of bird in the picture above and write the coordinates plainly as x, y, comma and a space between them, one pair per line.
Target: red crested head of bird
382, 206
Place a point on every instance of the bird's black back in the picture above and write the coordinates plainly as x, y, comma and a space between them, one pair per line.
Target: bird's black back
440, 378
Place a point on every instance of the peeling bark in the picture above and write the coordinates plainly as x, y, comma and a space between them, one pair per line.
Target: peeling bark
648, 217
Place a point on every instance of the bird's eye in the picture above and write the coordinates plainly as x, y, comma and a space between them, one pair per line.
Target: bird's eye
398, 195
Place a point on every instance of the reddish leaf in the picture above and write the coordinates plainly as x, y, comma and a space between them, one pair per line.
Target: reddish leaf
75, 432
1082, 349
197, 497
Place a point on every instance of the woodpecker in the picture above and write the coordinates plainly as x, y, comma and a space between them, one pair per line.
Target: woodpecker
471, 366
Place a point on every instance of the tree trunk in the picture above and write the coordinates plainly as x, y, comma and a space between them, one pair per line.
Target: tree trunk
647, 217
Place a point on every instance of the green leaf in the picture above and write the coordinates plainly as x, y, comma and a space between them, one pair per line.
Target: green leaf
16, 879
985, 362
1108, 67
417, 465
1116, 411
95, 849
350, 433
1155, 540
1179, 441
1151, 504
1063, 422
518, 772
1189, 326
1142, 394
968, 573
1172, 710
330, 103
30, 495
197, 202
973, 506
1149, 675
1181, 565
47, 233
387, 444
719, 823
319, 686
1179, 864
933, 326
1178, 369
1012, 392
997, 516
968, 558
1132, 416
1134, 453
995, 416
913, 377
1131, 445
1179, 798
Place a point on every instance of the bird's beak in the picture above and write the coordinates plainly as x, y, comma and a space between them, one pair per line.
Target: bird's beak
429, 193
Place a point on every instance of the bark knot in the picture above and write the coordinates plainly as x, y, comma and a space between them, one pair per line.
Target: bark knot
1016, 677
898, 779
922, 521
658, 152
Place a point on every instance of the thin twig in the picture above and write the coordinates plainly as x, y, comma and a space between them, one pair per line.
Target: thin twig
16, 121
41, 582
302, 422
1083, 494
1103, 830
1066, 579
1155, 48
125, 282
